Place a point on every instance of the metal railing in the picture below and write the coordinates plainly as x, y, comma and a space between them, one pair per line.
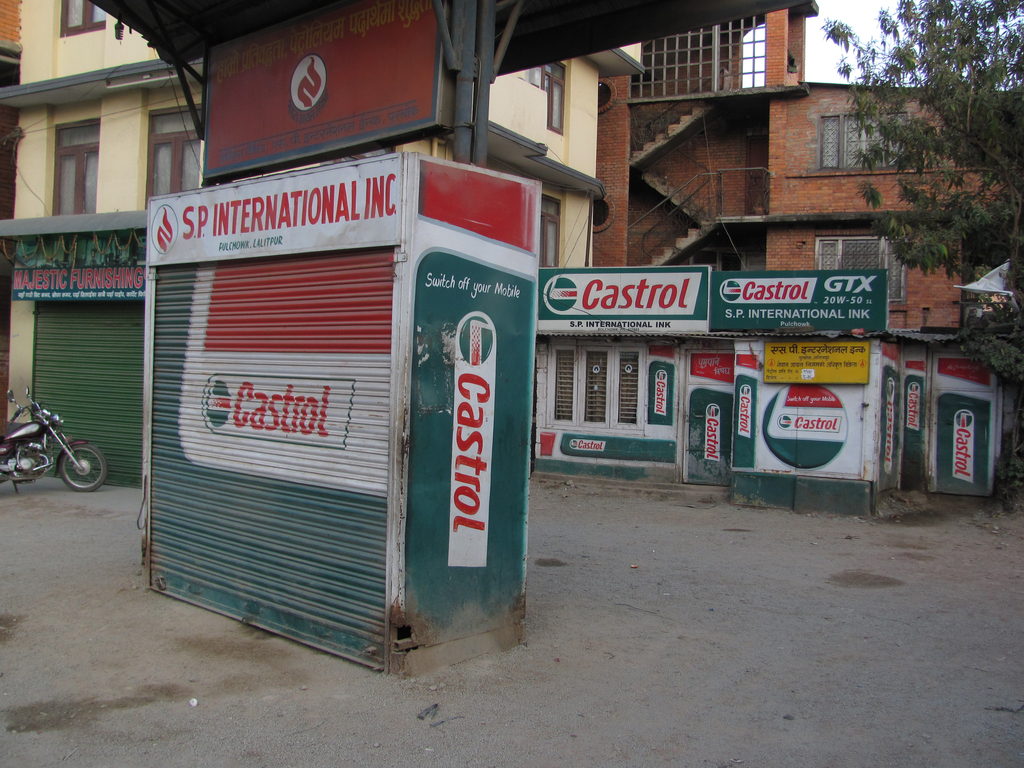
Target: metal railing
683, 208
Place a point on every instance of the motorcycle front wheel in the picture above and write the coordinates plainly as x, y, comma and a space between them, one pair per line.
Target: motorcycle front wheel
91, 471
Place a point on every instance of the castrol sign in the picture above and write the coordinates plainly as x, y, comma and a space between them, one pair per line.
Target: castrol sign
813, 299
805, 426
744, 410
271, 395
303, 411
963, 445
646, 301
472, 440
889, 424
913, 417
661, 384
712, 432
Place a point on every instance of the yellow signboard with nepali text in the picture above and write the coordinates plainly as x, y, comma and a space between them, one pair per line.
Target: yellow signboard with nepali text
823, 362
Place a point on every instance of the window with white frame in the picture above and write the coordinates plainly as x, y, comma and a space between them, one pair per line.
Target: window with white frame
596, 385
862, 253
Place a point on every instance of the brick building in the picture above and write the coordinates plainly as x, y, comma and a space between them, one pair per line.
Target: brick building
734, 161
720, 155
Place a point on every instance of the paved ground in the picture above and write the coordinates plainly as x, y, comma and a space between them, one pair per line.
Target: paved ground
740, 638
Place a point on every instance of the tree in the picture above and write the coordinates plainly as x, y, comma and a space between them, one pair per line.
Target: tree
940, 97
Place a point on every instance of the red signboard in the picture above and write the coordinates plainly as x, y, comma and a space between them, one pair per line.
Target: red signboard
962, 368
352, 74
488, 205
712, 365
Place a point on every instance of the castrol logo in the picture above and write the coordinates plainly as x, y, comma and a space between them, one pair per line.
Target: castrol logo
805, 426
768, 290
744, 411
630, 293
587, 444
913, 419
472, 440
712, 432
963, 445
790, 290
302, 411
661, 392
888, 447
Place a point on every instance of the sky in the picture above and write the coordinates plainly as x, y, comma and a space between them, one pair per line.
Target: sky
822, 56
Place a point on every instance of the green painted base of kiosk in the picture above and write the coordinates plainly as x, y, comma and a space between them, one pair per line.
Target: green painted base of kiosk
808, 495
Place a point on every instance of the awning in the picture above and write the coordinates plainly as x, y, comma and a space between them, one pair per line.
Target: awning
528, 158
80, 224
89, 85
106, 239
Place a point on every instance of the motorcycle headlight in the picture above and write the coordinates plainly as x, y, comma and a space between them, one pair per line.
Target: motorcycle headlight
55, 419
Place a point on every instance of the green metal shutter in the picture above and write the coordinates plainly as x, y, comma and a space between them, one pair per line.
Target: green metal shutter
88, 368
250, 520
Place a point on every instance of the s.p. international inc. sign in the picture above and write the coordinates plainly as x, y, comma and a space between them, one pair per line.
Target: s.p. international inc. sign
651, 300
825, 300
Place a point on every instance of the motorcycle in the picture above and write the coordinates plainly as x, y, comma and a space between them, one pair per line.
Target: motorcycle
28, 447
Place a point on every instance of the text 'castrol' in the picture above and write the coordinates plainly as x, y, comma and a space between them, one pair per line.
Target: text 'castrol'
744, 413
889, 445
963, 445
312, 411
712, 433
914, 406
661, 392
472, 440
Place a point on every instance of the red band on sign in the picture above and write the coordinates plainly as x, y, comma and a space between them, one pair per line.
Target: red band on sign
962, 368
499, 209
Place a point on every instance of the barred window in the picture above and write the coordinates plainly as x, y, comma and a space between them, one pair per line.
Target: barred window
862, 253
597, 385
629, 380
565, 370
841, 141
723, 57
596, 395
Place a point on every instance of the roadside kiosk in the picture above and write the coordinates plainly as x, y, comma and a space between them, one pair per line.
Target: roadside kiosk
339, 378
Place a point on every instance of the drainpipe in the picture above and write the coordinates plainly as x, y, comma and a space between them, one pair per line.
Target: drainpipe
485, 75
464, 23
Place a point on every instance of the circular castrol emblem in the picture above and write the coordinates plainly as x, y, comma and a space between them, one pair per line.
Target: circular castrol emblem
805, 426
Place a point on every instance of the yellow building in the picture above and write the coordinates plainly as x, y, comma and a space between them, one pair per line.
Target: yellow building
104, 124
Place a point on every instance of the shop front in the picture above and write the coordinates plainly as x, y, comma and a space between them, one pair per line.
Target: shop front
77, 326
786, 387
615, 353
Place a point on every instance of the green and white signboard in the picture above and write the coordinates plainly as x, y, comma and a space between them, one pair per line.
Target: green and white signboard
648, 300
825, 300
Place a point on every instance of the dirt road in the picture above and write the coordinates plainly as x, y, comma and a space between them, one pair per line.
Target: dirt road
658, 634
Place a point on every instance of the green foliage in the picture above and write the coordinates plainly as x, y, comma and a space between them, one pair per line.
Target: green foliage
940, 97
940, 94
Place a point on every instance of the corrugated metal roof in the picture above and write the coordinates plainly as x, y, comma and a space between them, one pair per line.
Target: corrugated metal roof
545, 30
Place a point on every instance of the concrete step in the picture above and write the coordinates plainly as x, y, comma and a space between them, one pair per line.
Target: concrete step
682, 493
